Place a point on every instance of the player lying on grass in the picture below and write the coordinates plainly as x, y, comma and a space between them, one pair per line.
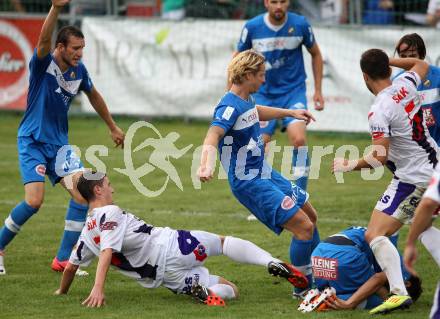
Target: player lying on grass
346, 262
401, 141
235, 131
156, 256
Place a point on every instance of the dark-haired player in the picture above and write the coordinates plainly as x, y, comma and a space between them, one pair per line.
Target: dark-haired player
43, 147
401, 141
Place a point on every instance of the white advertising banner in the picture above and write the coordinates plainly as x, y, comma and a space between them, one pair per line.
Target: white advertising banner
162, 68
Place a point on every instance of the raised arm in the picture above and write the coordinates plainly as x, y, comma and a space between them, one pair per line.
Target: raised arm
411, 64
209, 153
101, 108
317, 67
267, 113
44, 44
97, 297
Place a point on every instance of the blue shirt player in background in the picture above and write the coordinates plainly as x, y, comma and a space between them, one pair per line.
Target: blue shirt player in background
412, 46
280, 35
274, 200
43, 148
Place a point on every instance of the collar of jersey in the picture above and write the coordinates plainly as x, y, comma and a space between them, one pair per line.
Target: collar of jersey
273, 27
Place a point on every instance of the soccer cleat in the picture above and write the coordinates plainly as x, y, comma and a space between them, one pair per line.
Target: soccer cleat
58, 265
293, 275
315, 300
251, 218
2, 264
202, 294
393, 302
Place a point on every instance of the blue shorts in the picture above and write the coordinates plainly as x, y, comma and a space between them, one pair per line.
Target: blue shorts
295, 100
343, 267
38, 159
273, 200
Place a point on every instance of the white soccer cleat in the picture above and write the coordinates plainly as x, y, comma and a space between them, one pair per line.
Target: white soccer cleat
315, 300
81, 273
251, 218
2, 265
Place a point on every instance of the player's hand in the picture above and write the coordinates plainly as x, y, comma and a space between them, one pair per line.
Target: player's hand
302, 115
338, 304
60, 3
318, 100
410, 257
118, 136
205, 173
95, 299
342, 165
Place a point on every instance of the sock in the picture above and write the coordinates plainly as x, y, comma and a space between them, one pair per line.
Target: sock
388, 259
223, 291
300, 252
17, 218
300, 164
74, 223
244, 251
315, 239
430, 238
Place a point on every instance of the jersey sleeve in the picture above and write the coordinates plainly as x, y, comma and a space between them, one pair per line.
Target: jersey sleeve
410, 80
38, 66
112, 226
86, 83
245, 42
308, 36
433, 191
82, 255
379, 124
225, 117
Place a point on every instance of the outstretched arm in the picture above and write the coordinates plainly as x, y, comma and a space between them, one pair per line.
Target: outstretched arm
317, 67
267, 113
209, 153
411, 64
97, 297
67, 279
45, 40
101, 108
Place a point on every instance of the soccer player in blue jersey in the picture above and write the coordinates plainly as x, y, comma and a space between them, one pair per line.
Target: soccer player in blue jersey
235, 130
413, 46
279, 35
43, 148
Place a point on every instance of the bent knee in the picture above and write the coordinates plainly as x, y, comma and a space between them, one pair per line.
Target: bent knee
35, 202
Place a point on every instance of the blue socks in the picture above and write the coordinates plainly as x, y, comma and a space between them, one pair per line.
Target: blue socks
74, 223
18, 217
300, 164
300, 252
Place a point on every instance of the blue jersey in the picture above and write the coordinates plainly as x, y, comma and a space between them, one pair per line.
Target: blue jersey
242, 147
282, 48
49, 98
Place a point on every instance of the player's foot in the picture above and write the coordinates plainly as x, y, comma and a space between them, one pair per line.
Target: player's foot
2, 264
251, 218
293, 275
393, 302
202, 294
58, 265
315, 300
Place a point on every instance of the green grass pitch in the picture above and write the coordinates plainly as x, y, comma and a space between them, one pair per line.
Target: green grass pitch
27, 290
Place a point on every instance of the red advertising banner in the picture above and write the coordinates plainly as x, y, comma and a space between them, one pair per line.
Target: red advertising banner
18, 38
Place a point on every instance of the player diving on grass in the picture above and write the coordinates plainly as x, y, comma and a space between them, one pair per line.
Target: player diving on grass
401, 141
43, 148
235, 131
156, 256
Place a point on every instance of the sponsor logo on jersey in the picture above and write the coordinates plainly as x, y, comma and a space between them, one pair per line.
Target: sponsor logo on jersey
287, 203
14, 52
108, 226
91, 224
97, 240
227, 113
326, 268
200, 253
400, 95
40, 169
428, 116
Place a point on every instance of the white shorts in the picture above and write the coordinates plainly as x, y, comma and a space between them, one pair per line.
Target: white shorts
400, 200
186, 256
